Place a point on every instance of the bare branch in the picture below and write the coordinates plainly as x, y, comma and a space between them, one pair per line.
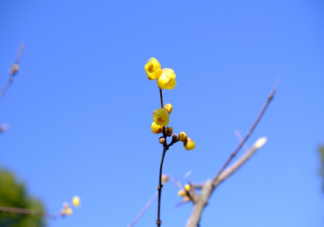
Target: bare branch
12, 71
16, 210
147, 205
270, 97
209, 186
238, 163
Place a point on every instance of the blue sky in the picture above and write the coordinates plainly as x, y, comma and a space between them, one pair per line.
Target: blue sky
79, 111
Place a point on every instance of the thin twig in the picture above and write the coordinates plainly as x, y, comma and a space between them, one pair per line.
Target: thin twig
176, 182
165, 148
147, 205
13, 71
270, 97
240, 138
158, 221
161, 98
230, 170
16, 210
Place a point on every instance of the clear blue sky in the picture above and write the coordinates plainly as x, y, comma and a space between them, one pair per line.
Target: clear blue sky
79, 111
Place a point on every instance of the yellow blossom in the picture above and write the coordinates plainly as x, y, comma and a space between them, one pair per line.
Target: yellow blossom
189, 144
76, 201
187, 198
168, 107
157, 129
182, 193
167, 79
153, 69
182, 136
165, 178
161, 117
187, 187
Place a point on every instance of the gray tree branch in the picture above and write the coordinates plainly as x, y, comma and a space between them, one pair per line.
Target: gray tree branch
209, 186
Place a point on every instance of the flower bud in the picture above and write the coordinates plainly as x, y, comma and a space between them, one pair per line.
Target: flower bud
65, 205
76, 201
187, 187
168, 107
260, 142
189, 144
68, 211
182, 136
153, 69
157, 129
63, 211
182, 193
167, 79
165, 178
161, 140
175, 138
168, 131
187, 198
161, 117
14, 69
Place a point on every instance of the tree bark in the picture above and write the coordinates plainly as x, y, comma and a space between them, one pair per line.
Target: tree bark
199, 206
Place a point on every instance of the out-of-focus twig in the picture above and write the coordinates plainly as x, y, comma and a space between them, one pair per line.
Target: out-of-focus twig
13, 70
240, 138
270, 97
147, 205
3, 127
16, 210
175, 181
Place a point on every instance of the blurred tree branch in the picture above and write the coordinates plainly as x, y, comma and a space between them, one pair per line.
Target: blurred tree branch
209, 186
13, 70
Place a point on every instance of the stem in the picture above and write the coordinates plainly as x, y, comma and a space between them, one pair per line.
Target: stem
161, 97
158, 221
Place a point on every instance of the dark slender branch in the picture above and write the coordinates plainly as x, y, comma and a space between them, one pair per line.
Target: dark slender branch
147, 205
165, 148
158, 221
13, 71
16, 210
159, 187
161, 97
270, 97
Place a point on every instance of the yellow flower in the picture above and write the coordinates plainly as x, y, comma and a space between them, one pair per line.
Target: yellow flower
168, 107
182, 136
153, 69
182, 193
169, 131
161, 117
167, 79
76, 201
189, 144
165, 178
157, 129
187, 187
